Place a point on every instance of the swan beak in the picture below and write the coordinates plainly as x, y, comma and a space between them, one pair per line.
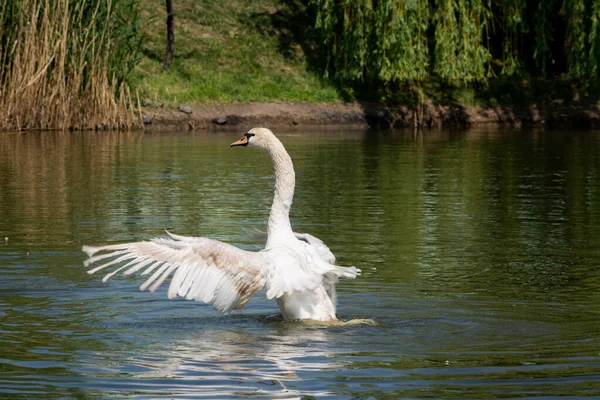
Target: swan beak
242, 142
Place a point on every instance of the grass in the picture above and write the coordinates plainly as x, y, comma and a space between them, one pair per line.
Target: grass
226, 52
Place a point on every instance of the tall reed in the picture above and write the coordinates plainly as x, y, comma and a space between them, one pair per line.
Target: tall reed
58, 67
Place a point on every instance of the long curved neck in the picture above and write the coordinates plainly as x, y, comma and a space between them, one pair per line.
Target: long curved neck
285, 180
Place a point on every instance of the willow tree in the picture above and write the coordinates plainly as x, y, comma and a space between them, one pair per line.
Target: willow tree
389, 40
402, 53
511, 28
460, 31
461, 41
583, 39
349, 25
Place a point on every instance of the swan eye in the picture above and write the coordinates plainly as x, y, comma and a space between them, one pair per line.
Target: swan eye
249, 135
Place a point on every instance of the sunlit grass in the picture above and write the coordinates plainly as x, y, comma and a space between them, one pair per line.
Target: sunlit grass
222, 56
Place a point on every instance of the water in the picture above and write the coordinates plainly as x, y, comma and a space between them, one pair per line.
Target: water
480, 253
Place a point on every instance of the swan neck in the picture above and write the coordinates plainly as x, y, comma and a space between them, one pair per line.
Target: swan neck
279, 219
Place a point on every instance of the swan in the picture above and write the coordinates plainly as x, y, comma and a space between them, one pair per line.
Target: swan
296, 269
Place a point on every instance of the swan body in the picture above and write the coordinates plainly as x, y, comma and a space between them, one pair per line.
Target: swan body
296, 269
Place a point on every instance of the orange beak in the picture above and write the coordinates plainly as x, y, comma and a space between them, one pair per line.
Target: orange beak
242, 142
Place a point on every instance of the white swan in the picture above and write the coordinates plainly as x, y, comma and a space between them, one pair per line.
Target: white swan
297, 269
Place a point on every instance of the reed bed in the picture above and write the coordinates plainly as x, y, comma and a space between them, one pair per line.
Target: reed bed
56, 70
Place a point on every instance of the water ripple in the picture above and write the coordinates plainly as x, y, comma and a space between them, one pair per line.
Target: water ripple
479, 253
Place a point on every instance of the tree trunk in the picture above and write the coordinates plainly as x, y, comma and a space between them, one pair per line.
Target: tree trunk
170, 36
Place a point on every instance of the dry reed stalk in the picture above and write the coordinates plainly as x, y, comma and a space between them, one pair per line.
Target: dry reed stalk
55, 75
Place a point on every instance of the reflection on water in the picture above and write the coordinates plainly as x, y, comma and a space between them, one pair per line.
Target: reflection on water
479, 253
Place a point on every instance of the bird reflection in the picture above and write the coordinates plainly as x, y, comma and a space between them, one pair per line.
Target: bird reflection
228, 362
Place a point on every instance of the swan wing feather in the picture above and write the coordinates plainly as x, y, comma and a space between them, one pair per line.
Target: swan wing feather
202, 269
317, 244
283, 273
320, 246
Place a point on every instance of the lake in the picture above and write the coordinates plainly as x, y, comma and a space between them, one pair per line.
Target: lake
480, 253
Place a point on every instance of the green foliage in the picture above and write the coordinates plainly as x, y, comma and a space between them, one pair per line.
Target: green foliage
127, 37
397, 50
402, 54
461, 42
460, 56
376, 40
511, 28
117, 25
583, 34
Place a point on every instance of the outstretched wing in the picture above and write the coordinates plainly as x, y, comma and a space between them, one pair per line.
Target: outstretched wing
203, 269
282, 278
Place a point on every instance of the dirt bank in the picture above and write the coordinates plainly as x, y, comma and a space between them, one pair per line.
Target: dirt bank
211, 117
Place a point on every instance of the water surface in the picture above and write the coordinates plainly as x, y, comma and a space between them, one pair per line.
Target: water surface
480, 253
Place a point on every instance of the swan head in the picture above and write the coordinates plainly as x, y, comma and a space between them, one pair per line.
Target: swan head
256, 137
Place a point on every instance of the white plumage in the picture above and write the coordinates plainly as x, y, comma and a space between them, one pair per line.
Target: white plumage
296, 269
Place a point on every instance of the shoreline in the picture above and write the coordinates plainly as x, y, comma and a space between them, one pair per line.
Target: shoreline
223, 116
